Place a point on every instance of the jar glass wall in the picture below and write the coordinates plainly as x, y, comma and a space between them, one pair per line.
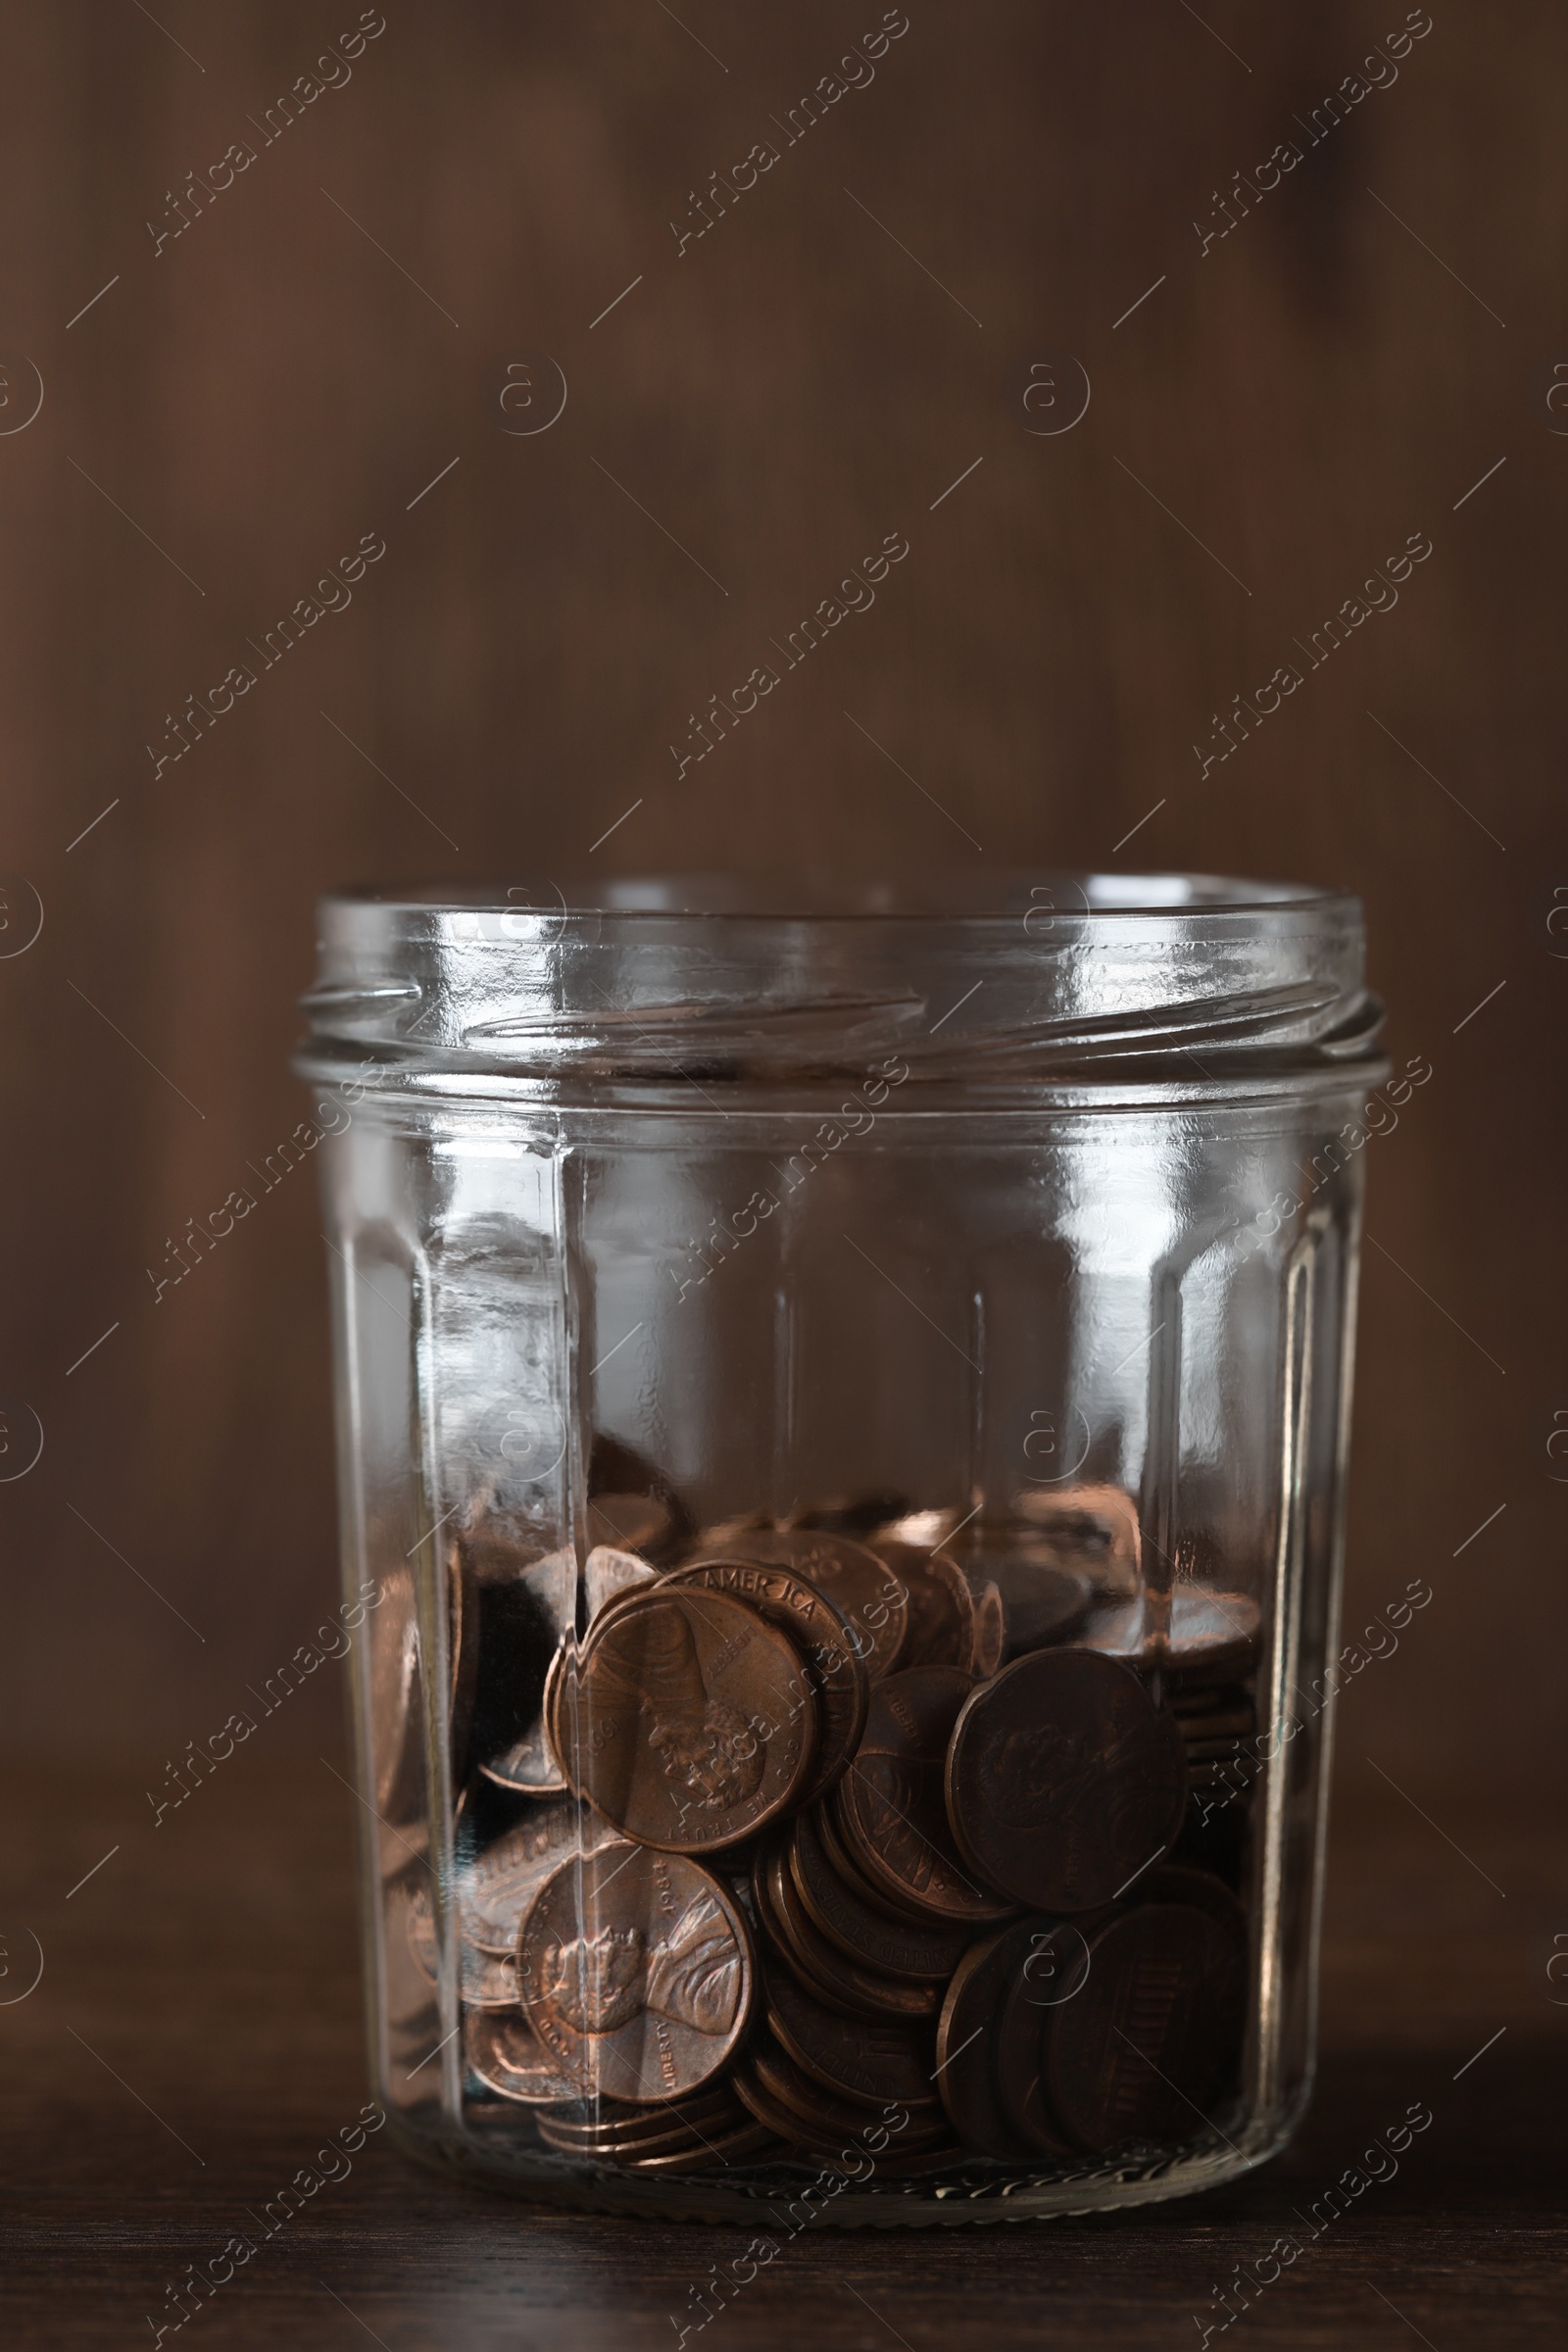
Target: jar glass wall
843, 1406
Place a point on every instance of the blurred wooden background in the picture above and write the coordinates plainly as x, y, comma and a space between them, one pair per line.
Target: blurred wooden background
329, 335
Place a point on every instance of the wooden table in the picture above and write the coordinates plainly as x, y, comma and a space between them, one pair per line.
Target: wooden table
195, 2038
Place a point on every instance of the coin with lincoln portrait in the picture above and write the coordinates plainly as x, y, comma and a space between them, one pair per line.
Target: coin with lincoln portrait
694, 1720
635, 1970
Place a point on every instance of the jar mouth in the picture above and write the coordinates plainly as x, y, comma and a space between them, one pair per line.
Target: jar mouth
822, 895
1015, 975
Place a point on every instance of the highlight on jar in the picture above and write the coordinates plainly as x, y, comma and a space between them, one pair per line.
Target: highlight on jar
789, 1747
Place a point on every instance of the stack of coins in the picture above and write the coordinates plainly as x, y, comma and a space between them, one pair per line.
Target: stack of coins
871, 1810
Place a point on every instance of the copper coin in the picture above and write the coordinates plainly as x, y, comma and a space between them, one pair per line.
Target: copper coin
495, 1889
1200, 1890
826, 1972
1042, 1601
1095, 1529
486, 1979
836, 1853
504, 2052
861, 1587
1022, 2020
851, 1515
635, 1523
869, 2061
396, 1712
940, 1605
750, 2139
1142, 2051
925, 1953
966, 2074
837, 1677
890, 1806
1065, 1779
695, 1723
990, 1629
608, 2128
815, 2116
607, 1573
635, 1969
1212, 1637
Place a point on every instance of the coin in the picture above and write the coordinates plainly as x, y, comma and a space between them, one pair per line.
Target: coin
1064, 1779
814, 2117
825, 1971
1213, 1637
487, 1979
869, 2061
966, 2074
939, 1602
853, 1515
525, 1609
1142, 2051
861, 1587
925, 1953
695, 1723
503, 2051
495, 1888
1019, 2028
1200, 1890
1093, 1528
889, 1807
608, 1572
749, 2139
990, 1628
838, 1678
635, 1523
636, 1972
1042, 1601
395, 1711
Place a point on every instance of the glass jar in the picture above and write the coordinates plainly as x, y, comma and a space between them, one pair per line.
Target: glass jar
843, 1396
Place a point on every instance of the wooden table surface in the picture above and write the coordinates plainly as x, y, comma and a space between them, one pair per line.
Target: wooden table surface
195, 2038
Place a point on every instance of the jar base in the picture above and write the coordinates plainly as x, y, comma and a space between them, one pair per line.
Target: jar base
973, 2190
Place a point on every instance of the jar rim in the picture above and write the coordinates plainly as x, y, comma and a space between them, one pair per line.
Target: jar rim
1016, 974
811, 895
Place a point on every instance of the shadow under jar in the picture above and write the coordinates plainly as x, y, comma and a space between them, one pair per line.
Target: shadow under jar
843, 1397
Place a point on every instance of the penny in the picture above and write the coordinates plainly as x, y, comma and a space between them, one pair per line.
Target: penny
1064, 1779
635, 1523
1142, 2051
635, 1969
1041, 1601
858, 1515
1094, 1528
487, 1979
861, 1587
826, 1972
507, 2057
897, 1947
990, 1628
939, 1602
524, 1611
862, 2059
815, 2116
1200, 1890
750, 2140
395, 1710
966, 2076
1212, 1638
694, 1720
838, 1678
608, 1572
889, 1807
615, 2120
1021, 2023
496, 1888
